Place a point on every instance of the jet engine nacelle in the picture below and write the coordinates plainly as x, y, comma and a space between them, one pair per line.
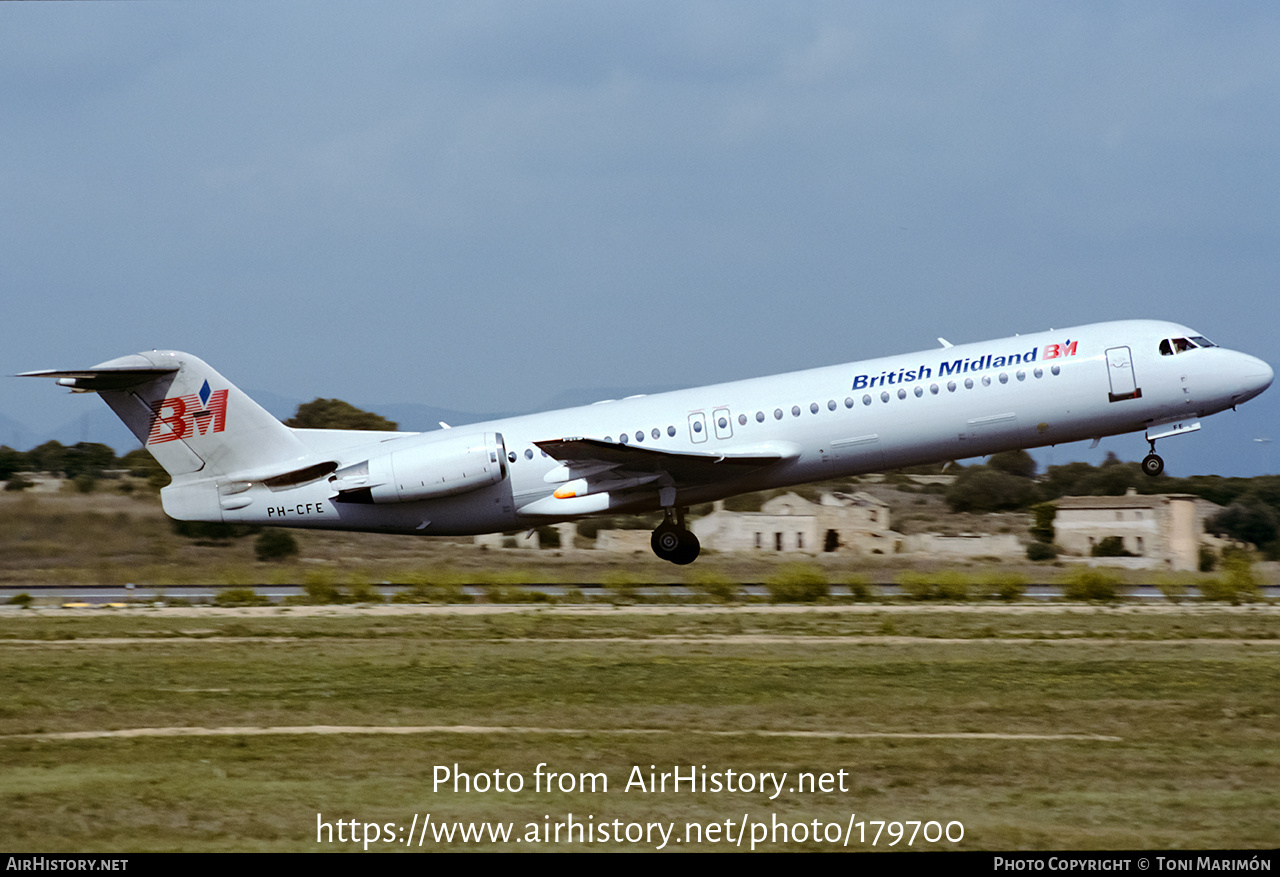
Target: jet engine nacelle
425, 470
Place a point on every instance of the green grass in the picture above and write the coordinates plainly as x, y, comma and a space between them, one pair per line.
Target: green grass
1190, 699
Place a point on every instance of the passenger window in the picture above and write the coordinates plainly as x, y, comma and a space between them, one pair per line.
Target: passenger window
831, 405
777, 414
742, 420
848, 401
813, 407
795, 410
968, 383
902, 394
759, 417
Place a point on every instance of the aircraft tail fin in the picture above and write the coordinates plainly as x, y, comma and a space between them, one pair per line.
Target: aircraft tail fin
191, 419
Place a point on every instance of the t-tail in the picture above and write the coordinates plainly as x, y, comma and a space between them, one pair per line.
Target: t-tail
196, 423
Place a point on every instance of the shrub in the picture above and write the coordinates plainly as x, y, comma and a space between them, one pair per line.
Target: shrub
713, 586
363, 592
1038, 551
798, 583
622, 585
1009, 587
275, 545
426, 592
860, 589
319, 587
212, 531
1093, 584
240, 597
940, 585
572, 594
1172, 589
1238, 585
515, 594
24, 600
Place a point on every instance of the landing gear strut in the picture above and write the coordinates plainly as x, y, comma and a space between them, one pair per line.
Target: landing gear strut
673, 541
1152, 463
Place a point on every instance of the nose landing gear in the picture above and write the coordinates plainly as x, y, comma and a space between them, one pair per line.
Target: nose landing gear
673, 541
1152, 463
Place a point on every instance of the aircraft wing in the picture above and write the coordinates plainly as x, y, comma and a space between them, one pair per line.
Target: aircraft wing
683, 467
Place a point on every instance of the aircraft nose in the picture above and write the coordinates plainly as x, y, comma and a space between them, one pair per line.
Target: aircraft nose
1256, 376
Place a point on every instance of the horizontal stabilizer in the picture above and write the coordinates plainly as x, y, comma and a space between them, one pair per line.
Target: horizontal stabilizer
95, 380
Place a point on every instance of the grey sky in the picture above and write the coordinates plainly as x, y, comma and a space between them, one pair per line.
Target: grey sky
480, 205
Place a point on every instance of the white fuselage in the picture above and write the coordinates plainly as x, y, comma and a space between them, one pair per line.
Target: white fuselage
940, 404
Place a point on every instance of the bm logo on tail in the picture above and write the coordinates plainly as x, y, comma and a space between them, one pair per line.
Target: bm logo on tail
195, 414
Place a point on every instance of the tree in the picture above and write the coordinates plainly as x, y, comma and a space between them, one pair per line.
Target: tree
141, 464
11, 461
1246, 520
1018, 463
1042, 529
1112, 478
983, 489
336, 414
87, 458
47, 457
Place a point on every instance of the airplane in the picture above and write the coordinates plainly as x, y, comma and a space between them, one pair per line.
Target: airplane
232, 461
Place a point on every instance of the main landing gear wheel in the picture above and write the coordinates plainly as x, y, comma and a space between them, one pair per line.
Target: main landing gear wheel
675, 544
1152, 465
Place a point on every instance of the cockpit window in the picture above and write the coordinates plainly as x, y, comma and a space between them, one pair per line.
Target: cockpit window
1171, 346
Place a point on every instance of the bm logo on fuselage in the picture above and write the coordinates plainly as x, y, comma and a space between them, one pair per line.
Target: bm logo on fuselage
1053, 351
194, 414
